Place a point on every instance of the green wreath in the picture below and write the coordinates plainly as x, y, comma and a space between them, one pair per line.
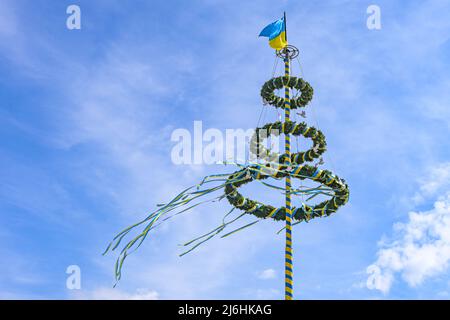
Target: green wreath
304, 213
289, 127
267, 91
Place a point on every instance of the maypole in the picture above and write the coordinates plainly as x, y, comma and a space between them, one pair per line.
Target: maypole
288, 268
286, 166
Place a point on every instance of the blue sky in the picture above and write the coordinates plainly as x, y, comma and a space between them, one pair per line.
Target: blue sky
86, 118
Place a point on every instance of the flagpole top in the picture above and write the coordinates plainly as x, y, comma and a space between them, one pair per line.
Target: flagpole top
290, 52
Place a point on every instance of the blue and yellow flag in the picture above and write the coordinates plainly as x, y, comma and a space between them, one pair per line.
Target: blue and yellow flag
276, 32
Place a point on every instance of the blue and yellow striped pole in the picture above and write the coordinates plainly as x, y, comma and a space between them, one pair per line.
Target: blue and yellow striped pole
289, 272
288, 266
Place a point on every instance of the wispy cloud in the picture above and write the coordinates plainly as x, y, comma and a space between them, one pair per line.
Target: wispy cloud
116, 294
435, 182
267, 274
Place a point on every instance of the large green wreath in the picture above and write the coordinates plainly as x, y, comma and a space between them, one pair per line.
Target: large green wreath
304, 213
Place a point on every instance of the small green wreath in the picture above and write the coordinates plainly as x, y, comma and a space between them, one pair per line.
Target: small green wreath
267, 91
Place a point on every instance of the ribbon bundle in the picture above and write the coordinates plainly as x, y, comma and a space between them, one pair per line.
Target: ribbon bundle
329, 184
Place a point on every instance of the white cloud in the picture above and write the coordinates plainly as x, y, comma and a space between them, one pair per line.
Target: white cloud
267, 274
116, 294
419, 249
267, 294
438, 179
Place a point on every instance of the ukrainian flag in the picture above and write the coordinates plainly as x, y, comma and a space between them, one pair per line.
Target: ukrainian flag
276, 32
